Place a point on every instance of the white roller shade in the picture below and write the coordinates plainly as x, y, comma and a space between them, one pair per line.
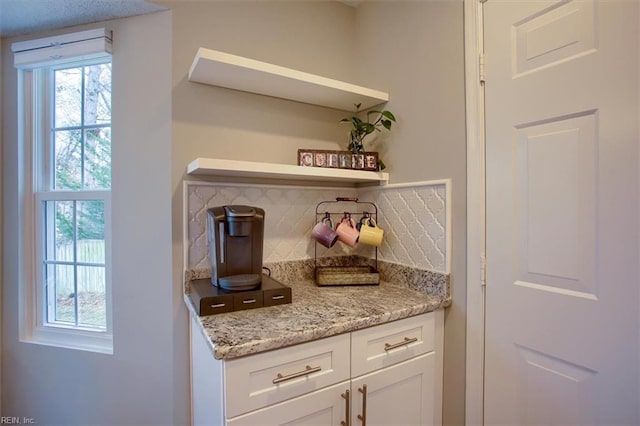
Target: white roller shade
83, 45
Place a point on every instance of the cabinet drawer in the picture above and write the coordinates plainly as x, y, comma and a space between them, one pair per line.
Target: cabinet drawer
324, 407
296, 370
378, 347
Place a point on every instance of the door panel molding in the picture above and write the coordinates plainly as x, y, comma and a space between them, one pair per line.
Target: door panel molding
556, 170
553, 36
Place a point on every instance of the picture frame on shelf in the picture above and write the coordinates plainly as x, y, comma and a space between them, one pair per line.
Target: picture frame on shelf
320, 159
371, 161
338, 159
344, 160
332, 159
305, 158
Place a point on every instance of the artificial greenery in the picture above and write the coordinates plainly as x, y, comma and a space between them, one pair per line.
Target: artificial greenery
362, 128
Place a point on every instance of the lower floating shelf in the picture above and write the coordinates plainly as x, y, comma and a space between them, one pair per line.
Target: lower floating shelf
250, 169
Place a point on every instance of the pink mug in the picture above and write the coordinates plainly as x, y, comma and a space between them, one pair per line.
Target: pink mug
347, 232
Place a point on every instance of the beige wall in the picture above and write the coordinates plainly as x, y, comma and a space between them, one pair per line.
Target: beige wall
145, 380
222, 123
413, 49
417, 53
421, 67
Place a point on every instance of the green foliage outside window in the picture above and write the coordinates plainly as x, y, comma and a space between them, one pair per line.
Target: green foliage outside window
82, 141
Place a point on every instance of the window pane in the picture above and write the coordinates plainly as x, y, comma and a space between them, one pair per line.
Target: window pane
91, 251
59, 237
97, 107
60, 279
68, 159
74, 234
97, 151
68, 97
90, 217
92, 297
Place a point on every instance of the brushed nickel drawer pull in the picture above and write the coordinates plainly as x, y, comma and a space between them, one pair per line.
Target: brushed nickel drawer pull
247, 301
277, 297
363, 417
406, 341
346, 396
307, 370
218, 305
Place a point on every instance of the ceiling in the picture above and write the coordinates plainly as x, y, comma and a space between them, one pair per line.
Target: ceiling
19, 17
27, 16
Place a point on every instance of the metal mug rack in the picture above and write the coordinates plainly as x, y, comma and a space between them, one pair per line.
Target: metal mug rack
350, 274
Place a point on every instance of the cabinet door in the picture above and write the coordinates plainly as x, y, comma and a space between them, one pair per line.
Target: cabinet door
326, 407
403, 394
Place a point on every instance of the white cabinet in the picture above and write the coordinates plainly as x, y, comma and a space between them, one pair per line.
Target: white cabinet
389, 374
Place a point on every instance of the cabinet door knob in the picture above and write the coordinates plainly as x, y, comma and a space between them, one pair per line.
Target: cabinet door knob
363, 417
346, 396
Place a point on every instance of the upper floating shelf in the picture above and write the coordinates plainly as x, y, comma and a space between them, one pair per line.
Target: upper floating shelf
239, 73
251, 169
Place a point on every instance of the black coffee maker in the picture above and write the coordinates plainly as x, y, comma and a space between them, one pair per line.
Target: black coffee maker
235, 235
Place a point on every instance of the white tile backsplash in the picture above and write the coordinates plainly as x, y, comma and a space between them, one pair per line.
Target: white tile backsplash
414, 217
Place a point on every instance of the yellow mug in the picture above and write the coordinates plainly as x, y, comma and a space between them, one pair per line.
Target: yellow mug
370, 233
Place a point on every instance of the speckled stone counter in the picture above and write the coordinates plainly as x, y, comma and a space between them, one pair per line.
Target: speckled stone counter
318, 312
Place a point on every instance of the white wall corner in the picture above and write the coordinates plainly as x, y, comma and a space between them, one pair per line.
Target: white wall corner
474, 405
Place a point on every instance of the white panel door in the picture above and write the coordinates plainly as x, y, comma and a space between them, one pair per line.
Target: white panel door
562, 213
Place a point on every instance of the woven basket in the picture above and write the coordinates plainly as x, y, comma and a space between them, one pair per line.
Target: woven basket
347, 275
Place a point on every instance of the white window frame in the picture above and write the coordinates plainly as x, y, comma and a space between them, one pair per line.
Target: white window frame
35, 123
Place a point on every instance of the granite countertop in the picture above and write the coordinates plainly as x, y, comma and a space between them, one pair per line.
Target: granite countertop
315, 313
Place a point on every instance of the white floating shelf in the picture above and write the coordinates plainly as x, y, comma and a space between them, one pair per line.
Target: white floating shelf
236, 72
218, 167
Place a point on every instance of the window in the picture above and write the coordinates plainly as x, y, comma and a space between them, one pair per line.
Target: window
73, 191
67, 110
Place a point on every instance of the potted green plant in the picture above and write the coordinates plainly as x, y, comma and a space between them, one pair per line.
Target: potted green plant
375, 121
